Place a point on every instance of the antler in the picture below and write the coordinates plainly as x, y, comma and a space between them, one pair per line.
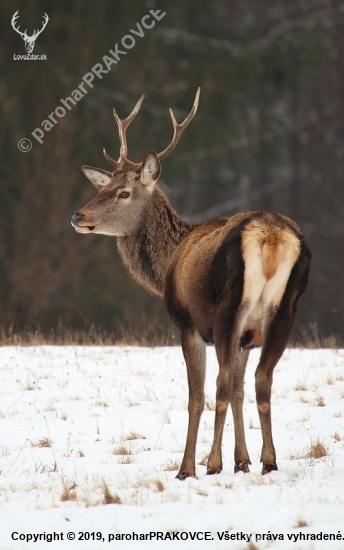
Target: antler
122, 129
123, 125
13, 23
45, 22
179, 128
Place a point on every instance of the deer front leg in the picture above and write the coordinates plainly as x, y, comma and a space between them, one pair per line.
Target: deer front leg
194, 350
241, 457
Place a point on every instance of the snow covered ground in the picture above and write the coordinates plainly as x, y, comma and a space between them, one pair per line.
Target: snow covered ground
84, 426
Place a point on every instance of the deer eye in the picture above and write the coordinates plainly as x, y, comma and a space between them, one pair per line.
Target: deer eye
124, 195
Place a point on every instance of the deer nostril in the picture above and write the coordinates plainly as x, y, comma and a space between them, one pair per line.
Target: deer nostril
76, 218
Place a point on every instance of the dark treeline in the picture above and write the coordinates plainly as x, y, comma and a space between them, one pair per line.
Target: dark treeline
269, 134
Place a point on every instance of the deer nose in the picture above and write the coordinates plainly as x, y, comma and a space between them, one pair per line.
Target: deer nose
76, 219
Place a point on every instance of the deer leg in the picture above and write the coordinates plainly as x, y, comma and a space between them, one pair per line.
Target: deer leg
226, 343
194, 350
241, 456
277, 336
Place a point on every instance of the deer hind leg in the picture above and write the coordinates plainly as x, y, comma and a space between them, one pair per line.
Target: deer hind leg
276, 339
194, 350
226, 339
277, 333
241, 456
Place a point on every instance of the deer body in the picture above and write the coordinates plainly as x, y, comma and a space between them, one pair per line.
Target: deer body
233, 282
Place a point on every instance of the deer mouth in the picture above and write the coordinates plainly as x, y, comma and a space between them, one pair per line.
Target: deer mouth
84, 228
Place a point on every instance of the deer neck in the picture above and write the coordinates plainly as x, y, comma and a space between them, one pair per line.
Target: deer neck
147, 252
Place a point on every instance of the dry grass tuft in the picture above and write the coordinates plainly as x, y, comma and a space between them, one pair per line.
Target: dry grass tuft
317, 450
102, 403
133, 435
29, 386
121, 450
320, 401
159, 485
300, 386
301, 523
43, 442
108, 497
142, 482
171, 466
126, 460
336, 436
68, 493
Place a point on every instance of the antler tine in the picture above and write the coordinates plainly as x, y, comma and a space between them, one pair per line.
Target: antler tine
122, 128
179, 128
110, 160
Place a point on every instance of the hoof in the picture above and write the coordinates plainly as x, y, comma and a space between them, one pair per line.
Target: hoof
267, 468
183, 474
241, 467
211, 472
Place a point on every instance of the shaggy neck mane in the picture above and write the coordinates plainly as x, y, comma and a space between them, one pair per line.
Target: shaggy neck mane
147, 252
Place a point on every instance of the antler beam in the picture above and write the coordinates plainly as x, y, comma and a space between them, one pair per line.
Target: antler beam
122, 129
178, 129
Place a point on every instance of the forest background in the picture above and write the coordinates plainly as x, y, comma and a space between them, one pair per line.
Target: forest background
269, 135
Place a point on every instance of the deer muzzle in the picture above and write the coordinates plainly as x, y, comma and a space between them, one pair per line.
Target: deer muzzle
80, 224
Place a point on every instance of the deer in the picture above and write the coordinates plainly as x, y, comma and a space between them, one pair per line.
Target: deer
230, 281
29, 40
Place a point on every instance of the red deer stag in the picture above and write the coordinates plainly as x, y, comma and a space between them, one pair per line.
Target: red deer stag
234, 282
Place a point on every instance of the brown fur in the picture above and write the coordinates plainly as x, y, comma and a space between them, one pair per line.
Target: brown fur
271, 257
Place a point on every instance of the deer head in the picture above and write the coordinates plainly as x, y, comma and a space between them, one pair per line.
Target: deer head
123, 195
29, 40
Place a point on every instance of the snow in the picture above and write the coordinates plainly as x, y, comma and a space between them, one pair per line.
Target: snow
75, 420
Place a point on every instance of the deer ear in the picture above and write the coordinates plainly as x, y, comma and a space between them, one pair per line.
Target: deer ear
150, 170
98, 177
